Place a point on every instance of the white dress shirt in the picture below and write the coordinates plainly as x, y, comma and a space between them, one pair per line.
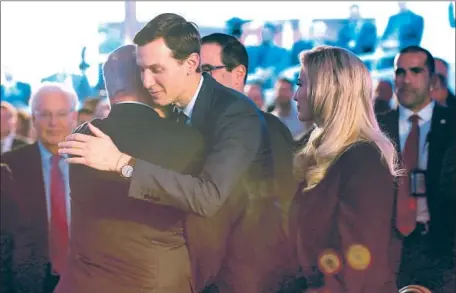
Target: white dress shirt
424, 124
46, 164
188, 110
7, 143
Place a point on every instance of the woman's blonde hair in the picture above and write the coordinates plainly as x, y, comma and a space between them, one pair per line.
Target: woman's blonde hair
340, 95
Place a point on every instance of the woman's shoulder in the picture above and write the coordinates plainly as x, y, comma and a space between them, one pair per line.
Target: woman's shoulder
363, 152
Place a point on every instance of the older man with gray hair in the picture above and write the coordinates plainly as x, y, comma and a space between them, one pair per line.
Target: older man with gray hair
42, 177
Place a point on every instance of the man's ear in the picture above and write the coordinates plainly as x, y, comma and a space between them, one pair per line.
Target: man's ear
240, 72
193, 63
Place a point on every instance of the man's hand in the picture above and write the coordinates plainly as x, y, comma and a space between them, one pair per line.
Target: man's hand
98, 152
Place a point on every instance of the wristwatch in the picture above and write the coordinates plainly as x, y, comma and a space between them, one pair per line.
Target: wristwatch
127, 170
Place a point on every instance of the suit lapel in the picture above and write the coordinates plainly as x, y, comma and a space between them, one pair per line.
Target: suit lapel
437, 135
203, 103
36, 191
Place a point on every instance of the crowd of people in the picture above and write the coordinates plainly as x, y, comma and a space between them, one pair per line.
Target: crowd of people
184, 180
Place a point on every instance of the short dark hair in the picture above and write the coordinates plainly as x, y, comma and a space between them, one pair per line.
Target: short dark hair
430, 63
233, 51
85, 111
180, 36
285, 80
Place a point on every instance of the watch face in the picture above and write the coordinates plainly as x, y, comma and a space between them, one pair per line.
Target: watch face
127, 171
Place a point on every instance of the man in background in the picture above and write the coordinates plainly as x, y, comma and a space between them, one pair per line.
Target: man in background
9, 118
42, 179
254, 255
440, 91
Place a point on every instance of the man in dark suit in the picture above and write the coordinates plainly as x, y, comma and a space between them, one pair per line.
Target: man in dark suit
403, 29
168, 53
427, 257
229, 121
42, 180
132, 247
226, 59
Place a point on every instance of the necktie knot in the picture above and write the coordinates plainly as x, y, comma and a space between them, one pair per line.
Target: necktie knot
179, 116
414, 119
55, 159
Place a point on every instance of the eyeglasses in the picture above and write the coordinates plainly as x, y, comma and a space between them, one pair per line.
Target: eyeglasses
209, 68
45, 115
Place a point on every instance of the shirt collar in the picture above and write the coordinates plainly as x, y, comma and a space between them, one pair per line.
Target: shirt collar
7, 142
188, 110
425, 113
45, 154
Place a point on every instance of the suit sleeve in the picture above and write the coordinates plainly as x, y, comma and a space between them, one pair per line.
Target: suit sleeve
362, 225
236, 142
16, 224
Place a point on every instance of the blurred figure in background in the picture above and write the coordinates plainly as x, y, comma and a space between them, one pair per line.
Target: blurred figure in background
254, 91
440, 92
9, 138
92, 102
286, 109
403, 29
24, 126
234, 27
102, 109
84, 115
383, 96
451, 14
358, 35
14, 91
268, 59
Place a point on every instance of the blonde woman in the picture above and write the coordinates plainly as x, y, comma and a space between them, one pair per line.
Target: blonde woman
341, 218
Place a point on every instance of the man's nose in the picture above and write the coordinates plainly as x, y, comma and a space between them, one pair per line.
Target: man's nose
148, 79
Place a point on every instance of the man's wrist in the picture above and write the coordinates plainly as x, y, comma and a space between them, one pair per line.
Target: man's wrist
123, 160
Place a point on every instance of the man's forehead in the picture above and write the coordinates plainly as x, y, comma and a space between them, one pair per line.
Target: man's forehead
210, 51
411, 59
155, 52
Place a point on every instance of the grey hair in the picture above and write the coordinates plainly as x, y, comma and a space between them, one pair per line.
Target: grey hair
52, 87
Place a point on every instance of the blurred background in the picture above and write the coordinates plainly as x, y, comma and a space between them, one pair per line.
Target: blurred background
68, 41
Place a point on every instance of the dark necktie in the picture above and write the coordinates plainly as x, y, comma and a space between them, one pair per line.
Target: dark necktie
58, 243
406, 203
179, 116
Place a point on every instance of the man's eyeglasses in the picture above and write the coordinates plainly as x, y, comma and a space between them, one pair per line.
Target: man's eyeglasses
48, 115
209, 68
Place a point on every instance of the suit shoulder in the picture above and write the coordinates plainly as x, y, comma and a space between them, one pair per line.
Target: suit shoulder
360, 155
227, 97
275, 123
20, 141
84, 127
19, 154
386, 117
